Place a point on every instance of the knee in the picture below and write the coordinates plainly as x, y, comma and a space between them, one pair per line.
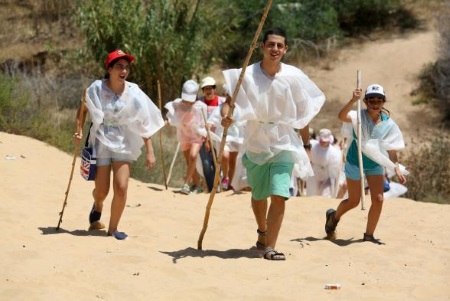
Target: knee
121, 189
352, 203
100, 193
193, 158
378, 199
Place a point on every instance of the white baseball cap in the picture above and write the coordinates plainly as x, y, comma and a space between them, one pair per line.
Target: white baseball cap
375, 90
189, 91
208, 81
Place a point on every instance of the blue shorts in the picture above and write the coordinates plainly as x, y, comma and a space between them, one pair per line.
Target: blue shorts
273, 178
352, 171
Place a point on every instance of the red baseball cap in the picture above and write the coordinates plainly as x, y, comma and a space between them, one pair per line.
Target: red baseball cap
117, 54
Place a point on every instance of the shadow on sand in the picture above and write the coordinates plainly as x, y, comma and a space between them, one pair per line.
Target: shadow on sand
52, 230
228, 254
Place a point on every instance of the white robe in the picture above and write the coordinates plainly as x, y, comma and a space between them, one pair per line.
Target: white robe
326, 163
376, 140
272, 108
188, 119
121, 122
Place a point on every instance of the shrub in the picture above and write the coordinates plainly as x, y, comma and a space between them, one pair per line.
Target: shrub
429, 167
12, 103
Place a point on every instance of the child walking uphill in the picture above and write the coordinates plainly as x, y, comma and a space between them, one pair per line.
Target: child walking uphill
379, 135
123, 120
185, 114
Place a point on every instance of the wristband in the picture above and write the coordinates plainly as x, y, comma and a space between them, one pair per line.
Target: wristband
307, 146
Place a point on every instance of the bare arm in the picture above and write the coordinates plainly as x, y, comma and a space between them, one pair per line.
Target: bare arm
343, 114
393, 157
150, 158
79, 121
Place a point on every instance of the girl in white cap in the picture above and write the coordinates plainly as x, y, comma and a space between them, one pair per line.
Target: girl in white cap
185, 114
381, 138
123, 120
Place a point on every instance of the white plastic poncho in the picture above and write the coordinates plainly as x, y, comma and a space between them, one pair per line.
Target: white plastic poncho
121, 122
326, 164
377, 139
235, 132
273, 107
188, 119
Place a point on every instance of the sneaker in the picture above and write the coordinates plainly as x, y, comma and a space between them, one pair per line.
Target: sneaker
331, 221
225, 184
197, 190
185, 189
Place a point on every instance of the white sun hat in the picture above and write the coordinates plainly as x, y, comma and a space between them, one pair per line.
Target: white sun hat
208, 81
325, 135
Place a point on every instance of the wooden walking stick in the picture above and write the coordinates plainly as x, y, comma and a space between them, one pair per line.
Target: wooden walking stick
75, 155
230, 114
160, 137
360, 161
173, 162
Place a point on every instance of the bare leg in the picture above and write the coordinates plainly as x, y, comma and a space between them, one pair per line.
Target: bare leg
376, 196
191, 157
260, 211
225, 162
232, 166
121, 174
354, 196
102, 184
274, 219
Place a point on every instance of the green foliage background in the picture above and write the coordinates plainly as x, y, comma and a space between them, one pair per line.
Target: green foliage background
175, 40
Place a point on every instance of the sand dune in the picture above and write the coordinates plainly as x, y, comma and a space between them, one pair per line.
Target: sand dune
160, 261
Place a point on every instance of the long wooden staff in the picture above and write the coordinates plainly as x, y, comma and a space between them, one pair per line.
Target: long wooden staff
173, 161
75, 155
160, 137
360, 161
230, 114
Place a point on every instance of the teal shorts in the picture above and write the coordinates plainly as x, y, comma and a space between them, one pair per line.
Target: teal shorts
272, 178
352, 171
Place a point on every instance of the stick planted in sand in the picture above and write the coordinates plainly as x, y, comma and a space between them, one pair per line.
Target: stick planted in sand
160, 138
361, 171
173, 162
75, 155
230, 114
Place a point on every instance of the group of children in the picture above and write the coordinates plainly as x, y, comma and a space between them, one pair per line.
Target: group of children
269, 128
199, 132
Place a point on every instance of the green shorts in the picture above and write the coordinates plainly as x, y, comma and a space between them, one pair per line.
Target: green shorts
272, 178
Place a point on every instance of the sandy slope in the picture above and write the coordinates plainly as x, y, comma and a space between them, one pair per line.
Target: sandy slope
393, 63
160, 261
